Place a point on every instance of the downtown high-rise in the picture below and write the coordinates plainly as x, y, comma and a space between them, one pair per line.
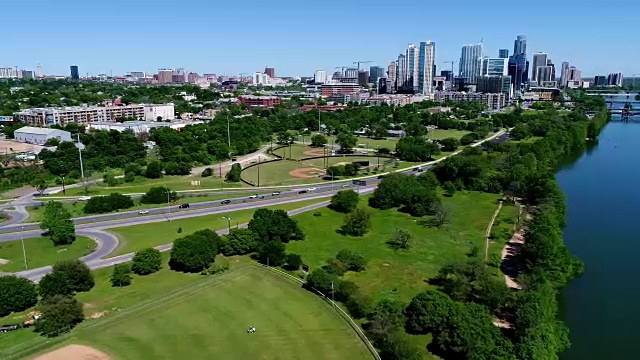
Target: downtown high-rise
425, 64
518, 68
539, 60
412, 56
471, 62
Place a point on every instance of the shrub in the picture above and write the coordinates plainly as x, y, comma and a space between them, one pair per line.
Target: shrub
272, 253
158, 195
293, 261
234, 174
345, 201
146, 261
121, 275
154, 170
106, 204
351, 260
240, 242
220, 265
192, 253
356, 223
207, 172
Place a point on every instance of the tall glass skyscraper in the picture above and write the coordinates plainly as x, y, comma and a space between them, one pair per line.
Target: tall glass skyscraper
426, 65
413, 74
471, 62
75, 73
518, 67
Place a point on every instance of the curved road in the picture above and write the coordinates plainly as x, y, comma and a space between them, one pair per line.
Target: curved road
108, 242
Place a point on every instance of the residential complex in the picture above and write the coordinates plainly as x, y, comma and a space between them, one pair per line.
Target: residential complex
493, 101
259, 101
88, 114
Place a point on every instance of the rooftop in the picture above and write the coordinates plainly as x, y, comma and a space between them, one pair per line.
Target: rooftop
36, 130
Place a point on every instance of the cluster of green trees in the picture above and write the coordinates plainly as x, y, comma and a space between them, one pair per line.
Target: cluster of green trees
415, 195
107, 204
159, 195
350, 169
58, 224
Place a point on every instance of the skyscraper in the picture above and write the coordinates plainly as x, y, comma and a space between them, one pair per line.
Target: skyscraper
271, 72
471, 62
503, 53
375, 73
544, 73
495, 66
401, 71
564, 74
539, 59
351, 73
413, 68
320, 77
615, 79
520, 45
75, 73
518, 68
426, 67
391, 76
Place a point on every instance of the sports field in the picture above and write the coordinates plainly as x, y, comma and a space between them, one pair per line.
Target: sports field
439, 134
209, 319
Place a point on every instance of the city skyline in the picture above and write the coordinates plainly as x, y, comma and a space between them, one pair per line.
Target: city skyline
204, 38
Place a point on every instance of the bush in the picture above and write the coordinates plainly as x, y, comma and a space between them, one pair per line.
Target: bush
322, 281
16, 294
318, 140
59, 315
468, 138
192, 253
158, 195
234, 174
67, 277
146, 261
345, 201
129, 178
133, 169
449, 144
181, 168
220, 265
351, 260
207, 172
154, 170
293, 261
356, 223
240, 242
107, 204
121, 275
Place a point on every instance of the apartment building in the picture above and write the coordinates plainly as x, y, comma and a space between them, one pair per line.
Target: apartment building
88, 114
493, 101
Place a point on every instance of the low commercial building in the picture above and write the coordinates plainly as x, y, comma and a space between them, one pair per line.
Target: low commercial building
39, 136
332, 89
493, 101
139, 127
163, 112
87, 114
259, 101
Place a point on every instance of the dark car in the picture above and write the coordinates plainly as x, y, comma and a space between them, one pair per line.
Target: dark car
302, 192
225, 202
419, 170
184, 206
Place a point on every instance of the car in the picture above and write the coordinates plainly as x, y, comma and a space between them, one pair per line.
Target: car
254, 196
225, 201
419, 170
311, 189
346, 185
275, 193
184, 206
84, 198
302, 192
143, 212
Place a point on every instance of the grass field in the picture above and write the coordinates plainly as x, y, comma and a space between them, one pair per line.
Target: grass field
398, 273
41, 252
170, 315
439, 134
137, 237
76, 208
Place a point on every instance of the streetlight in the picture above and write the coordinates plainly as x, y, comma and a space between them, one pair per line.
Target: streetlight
168, 202
228, 218
24, 251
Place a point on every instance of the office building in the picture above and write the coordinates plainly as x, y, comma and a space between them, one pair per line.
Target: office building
600, 80
426, 67
75, 74
391, 76
495, 84
447, 74
39, 136
260, 79
382, 85
539, 59
320, 77
271, 72
495, 67
28, 74
86, 114
165, 76
192, 77
412, 56
544, 73
351, 73
331, 89
375, 73
615, 79
564, 68
8, 73
471, 62
518, 64
401, 73
162, 112
553, 69
363, 77
259, 101
503, 53
520, 45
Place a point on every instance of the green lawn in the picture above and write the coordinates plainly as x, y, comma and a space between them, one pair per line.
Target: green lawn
503, 229
439, 134
41, 252
398, 273
170, 315
137, 237
76, 208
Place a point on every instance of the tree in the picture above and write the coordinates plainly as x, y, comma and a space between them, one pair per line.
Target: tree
293, 261
351, 260
385, 319
59, 315
134, 169
107, 204
270, 225
154, 170
428, 312
146, 261
322, 280
40, 184
129, 177
449, 188
402, 239
121, 275
77, 273
272, 253
468, 138
207, 172
159, 195
234, 175
442, 215
396, 346
110, 180
54, 283
240, 242
347, 142
177, 168
414, 148
345, 201
318, 140
57, 221
449, 144
192, 253
356, 223
16, 294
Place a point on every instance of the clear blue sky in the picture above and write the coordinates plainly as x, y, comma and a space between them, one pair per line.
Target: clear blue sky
296, 37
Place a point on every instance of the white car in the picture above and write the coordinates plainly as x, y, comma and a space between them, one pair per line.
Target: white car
346, 185
143, 212
253, 196
311, 189
84, 198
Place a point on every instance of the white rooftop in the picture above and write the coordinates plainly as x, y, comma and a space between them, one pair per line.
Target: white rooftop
36, 130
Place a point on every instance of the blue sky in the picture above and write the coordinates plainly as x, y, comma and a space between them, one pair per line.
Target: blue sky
296, 37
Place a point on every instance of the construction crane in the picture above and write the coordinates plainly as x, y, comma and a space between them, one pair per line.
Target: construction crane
452, 62
361, 62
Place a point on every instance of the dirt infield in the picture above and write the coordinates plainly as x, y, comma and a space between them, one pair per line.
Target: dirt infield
74, 352
305, 173
15, 147
316, 152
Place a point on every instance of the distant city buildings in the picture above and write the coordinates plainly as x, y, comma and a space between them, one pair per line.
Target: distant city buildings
426, 67
493, 101
615, 79
503, 53
518, 64
539, 60
471, 62
320, 77
600, 80
86, 114
165, 76
259, 101
271, 72
493, 84
495, 67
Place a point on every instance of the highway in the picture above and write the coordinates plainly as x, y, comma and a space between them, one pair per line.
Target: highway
94, 226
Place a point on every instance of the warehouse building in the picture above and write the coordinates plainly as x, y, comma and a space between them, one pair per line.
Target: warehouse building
40, 136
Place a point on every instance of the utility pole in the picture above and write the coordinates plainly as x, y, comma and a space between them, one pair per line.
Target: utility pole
80, 155
259, 158
168, 203
228, 222
24, 251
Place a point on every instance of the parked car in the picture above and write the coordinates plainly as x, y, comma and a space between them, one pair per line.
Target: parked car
184, 206
143, 212
84, 198
275, 193
225, 202
254, 196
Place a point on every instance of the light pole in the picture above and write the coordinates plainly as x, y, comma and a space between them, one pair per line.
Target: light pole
80, 156
168, 203
24, 250
64, 191
228, 218
259, 158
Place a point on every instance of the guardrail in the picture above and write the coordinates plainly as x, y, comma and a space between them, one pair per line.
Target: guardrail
335, 306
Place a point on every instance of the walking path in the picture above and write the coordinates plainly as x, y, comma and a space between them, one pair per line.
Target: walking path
510, 253
488, 233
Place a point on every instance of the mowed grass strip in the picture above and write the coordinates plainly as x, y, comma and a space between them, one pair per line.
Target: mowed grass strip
398, 273
211, 322
41, 252
138, 237
439, 134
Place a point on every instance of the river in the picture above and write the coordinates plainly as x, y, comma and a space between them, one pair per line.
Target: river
603, 229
